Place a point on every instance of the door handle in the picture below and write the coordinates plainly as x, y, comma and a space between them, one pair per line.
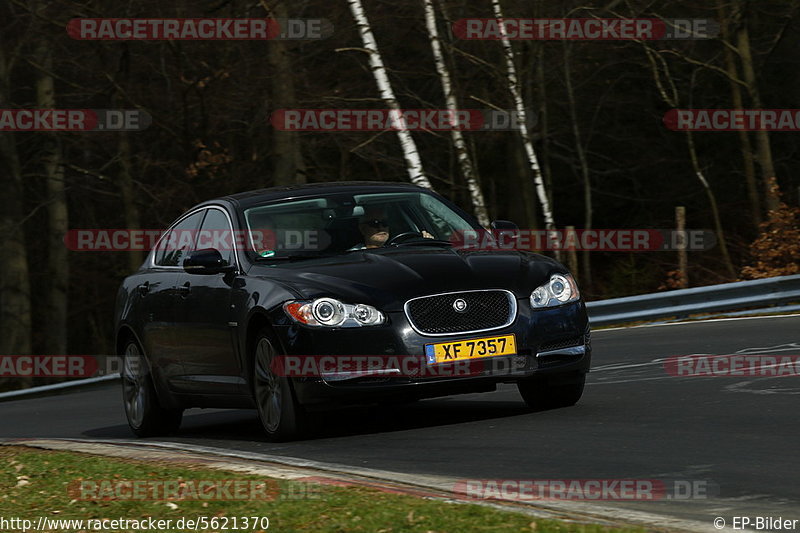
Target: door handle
185, 289
144, 288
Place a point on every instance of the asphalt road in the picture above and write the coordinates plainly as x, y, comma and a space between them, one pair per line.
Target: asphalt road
635, 421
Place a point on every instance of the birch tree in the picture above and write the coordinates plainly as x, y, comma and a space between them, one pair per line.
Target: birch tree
414, 168
462, 154
513, 87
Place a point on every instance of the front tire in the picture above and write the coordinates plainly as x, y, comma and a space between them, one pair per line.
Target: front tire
281, 415
548, 393
145, 415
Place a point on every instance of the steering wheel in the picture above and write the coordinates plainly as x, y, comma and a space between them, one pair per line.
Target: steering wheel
400, 237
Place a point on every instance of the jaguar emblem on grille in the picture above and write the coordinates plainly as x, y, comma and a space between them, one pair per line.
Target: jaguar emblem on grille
460, 305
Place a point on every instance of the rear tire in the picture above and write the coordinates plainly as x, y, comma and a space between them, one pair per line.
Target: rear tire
281, 415
145, 415
547, 393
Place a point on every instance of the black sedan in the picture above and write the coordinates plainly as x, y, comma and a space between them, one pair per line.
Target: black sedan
292, 299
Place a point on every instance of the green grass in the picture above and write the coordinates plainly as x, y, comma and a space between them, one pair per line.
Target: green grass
35, 483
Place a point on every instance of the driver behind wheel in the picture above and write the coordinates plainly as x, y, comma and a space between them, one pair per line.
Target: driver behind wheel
374, 226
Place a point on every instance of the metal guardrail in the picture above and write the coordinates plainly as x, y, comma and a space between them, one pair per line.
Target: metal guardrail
47, 389
685, 302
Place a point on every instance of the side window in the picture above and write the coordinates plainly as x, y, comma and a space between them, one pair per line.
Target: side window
178, 242
216, 232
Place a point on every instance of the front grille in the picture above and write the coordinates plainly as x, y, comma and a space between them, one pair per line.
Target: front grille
436, 315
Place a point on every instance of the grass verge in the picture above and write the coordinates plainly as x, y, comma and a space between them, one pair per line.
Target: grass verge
36, 483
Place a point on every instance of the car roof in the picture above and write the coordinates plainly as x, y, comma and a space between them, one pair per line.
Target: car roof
257, 196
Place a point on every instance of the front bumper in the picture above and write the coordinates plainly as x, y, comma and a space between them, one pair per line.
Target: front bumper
552, 342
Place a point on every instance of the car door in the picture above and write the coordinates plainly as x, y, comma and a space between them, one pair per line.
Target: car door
158, 298
204, 330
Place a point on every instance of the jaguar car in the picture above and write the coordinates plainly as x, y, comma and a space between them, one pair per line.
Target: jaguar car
244, 297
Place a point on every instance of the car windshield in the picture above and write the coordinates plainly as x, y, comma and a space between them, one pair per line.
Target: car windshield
336, 224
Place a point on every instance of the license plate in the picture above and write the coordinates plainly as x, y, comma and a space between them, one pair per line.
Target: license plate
445, 352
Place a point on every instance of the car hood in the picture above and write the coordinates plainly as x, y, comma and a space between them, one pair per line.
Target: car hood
388, 278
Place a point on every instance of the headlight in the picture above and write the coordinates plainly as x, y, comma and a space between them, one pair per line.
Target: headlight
329, 312
561, 289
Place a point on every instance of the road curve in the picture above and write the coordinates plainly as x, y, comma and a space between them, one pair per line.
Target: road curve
634, 422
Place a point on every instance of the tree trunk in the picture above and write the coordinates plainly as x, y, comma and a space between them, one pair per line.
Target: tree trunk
15, 292
519, 169
513, 86
128, 196
413, 162
765, 160
544, 121
712, 200
744, 137
586, 275
58, 218
462, 154
288, 166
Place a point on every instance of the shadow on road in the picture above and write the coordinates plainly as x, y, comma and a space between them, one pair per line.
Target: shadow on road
348, 421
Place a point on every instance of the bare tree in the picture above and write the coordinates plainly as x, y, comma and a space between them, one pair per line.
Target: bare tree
738, 103
765, 160
410, 153
586, 276
127, 192
125, 176
288, 166
15, 292
51, 155
513, 87
475, 192
669, 94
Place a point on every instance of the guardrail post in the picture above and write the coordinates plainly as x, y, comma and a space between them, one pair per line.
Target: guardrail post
683, 256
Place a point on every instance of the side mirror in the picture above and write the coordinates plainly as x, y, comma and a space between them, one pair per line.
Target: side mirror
506, 232
206, 261
504, 225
